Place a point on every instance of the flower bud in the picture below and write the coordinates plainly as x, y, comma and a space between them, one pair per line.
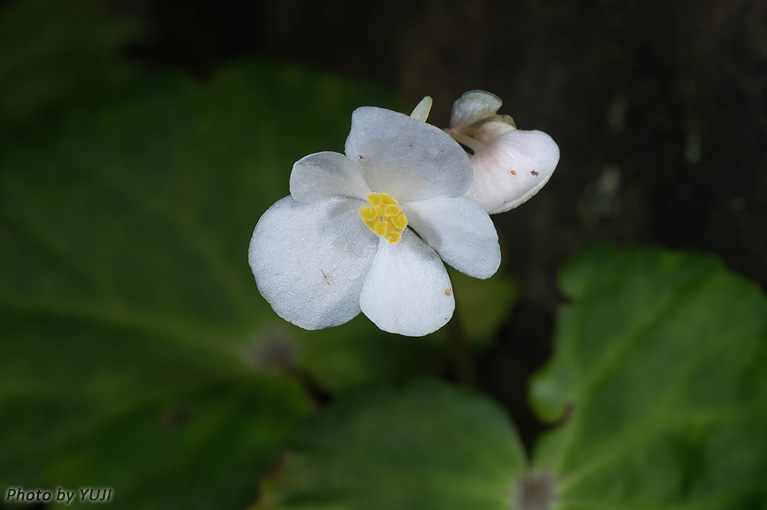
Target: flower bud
509, 165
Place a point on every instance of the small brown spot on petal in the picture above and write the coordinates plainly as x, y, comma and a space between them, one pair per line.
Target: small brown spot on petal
448, 292
410, 145
512, 172
361, 156
533, 172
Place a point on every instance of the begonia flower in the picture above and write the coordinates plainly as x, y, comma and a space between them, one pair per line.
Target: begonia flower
510, 165
368, 231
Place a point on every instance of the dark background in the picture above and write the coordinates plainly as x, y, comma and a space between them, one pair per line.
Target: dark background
659, 109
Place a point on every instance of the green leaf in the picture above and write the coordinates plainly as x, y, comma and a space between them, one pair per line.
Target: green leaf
135, 346
430, 446
88, 406
660, 379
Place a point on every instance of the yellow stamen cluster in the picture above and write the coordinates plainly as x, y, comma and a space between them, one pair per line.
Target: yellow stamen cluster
384, 217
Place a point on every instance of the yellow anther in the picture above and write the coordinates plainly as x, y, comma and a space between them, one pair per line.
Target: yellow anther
393, 237
386, 199
391, 210
381, 228
368, 213
384, 217
399, 221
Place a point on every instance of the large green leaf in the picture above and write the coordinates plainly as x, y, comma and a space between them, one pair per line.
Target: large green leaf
430, 446
660, 379
135, 351
134, 347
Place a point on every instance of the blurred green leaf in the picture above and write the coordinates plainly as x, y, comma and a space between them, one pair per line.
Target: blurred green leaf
165, 426
660, 377
430, 446
136, 352
482, 306
57, 53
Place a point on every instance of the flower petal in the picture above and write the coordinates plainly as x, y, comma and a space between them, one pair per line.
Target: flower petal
406, 158
407, 290
509, 171
472, 107
460, 231
324, 175
422, 109
310, 260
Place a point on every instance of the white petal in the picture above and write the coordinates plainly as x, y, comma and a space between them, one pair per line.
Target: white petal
460, 231
472, 107
310, 260
512, 169
491, 130
406, 158
422, 109
324, 175
407, 290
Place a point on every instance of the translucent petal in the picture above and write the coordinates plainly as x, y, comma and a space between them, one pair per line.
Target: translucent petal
460, 231
407, 290
324, 175
406, 158
509, 171
310, 260
472, 107
422, 109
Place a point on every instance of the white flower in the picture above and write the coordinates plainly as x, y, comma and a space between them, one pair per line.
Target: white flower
510, 165
342, 242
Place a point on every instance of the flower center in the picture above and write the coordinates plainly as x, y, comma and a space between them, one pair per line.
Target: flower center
384, 217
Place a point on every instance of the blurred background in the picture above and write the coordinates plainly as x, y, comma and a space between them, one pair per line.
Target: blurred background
141, 140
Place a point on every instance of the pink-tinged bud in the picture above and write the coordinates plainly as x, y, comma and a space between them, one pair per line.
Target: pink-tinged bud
509, 165
511, 169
